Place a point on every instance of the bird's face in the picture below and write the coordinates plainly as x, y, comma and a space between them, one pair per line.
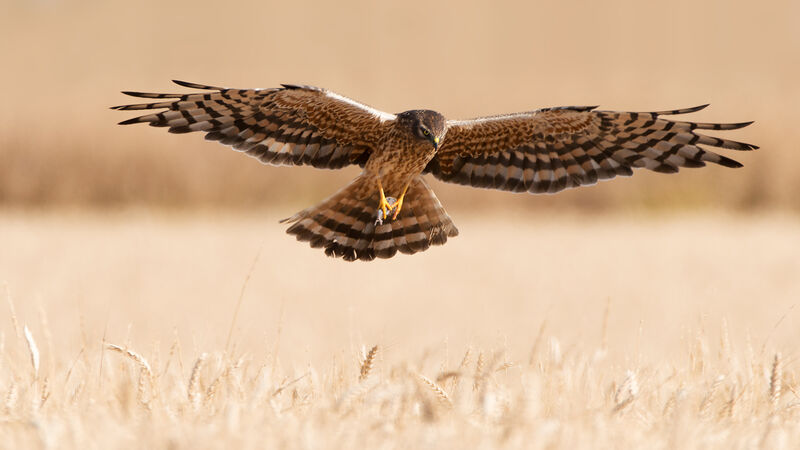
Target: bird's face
425, 125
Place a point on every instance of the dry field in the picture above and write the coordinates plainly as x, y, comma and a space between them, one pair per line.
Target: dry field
122, 330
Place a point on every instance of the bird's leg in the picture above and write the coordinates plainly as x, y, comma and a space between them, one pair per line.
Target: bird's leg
384, 205
399, 203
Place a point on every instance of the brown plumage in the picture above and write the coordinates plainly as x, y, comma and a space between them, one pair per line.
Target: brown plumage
546, 150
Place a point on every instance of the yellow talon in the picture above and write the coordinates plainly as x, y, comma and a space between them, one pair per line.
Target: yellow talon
399, 204
384, 205
389, 205
397, 207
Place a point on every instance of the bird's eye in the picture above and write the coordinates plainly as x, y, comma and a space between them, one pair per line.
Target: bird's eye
426, 132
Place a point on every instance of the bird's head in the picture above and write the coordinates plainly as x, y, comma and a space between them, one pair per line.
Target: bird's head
425, 125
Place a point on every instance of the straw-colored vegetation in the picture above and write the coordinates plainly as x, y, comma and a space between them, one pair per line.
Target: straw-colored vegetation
116, 334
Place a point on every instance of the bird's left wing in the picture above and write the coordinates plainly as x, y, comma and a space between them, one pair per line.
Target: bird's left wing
552, 149
291, 125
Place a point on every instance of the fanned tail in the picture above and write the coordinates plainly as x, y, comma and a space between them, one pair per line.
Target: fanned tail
345, 223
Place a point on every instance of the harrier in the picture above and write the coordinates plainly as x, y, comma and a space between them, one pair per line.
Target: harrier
389, 206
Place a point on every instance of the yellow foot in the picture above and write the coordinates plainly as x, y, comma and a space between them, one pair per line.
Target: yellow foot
389, 205
386, 207
398, 206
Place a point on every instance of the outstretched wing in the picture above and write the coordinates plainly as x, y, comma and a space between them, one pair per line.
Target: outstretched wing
557, 148
292, 125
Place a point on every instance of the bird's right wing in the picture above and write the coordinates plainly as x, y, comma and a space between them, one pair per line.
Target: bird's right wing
557, 148
292, 125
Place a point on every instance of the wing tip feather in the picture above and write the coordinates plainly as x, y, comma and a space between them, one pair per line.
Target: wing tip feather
130, 121
150, 94
191, 85
682, 110
728, 162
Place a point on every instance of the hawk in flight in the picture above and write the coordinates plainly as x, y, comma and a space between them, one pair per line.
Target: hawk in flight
389, 206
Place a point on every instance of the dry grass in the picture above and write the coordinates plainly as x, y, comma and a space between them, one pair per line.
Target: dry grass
582, 333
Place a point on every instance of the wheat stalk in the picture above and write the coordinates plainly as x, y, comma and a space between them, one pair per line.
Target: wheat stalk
45, 392
697, 352
438, 392
144, 378
145, 372
729, 405
211, 392
705, 405
444, 376
465, 359
139, 359
241, 297
626, 392
775, 382
366, 365
504, 366
11, 397
462, 368
479, 372
193, 391
34, 351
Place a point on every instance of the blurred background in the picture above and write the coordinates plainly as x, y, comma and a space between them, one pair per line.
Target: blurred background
66, 61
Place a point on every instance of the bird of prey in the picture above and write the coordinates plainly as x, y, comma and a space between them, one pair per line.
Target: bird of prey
389, 207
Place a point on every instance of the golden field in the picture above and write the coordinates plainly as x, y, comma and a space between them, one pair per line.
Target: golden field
523, 332
150, 299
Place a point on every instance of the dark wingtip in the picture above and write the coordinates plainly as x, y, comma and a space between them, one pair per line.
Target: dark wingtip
129, 121
727, 162
180, 130
735, 126
197, 86
150, 95
683, 110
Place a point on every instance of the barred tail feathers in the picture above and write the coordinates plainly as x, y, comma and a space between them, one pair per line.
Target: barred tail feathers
345, 223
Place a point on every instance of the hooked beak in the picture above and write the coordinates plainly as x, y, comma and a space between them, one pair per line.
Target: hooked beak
436, 143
